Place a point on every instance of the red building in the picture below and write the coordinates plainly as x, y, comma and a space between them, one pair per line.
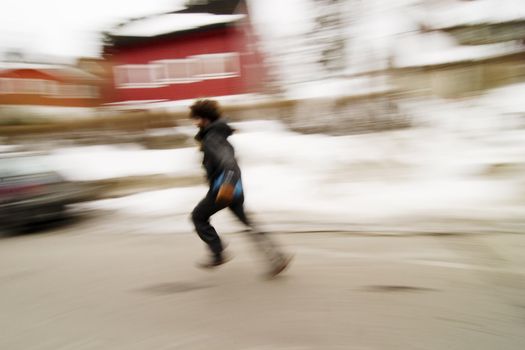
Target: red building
206, 49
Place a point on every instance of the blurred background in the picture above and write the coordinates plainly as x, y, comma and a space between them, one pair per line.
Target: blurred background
362, 113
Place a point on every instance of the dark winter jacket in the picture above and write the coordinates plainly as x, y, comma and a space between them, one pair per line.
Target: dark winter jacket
219, 155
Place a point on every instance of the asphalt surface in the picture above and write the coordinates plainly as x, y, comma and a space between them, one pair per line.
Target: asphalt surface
92, 284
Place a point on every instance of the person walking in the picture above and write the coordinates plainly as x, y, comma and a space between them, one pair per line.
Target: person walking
225, 190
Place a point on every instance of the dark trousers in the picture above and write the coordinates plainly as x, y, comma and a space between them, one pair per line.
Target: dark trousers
201, 219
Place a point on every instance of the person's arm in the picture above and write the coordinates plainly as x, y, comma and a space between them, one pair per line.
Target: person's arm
223, 157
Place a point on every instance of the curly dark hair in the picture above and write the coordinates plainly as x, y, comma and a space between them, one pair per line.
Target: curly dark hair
207, 109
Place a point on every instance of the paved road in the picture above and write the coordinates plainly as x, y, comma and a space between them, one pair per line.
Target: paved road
94, 285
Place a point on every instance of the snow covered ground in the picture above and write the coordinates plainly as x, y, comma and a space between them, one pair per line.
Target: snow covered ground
462, 161
106, 162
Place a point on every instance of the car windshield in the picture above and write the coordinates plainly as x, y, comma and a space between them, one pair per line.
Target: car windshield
24, 165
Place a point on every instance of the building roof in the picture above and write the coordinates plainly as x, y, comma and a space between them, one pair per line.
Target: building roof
216, 7
171, 23
60, 72
197, 15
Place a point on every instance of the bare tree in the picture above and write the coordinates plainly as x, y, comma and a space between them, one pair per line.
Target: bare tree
328, 35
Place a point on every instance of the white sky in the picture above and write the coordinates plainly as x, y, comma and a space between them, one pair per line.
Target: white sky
67, 27
71, 27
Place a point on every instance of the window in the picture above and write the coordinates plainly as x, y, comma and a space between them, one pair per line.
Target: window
52, 88
6, 86
139, 76
218, 65
29, 86
179, 70
23, 86
76, 91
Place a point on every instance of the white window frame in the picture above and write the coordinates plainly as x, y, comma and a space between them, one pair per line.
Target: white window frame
52, 88
6, 86
22, 86
189, 65
221, 60
155, 81
71, 91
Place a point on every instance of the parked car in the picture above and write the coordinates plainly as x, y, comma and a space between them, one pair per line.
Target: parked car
31, 191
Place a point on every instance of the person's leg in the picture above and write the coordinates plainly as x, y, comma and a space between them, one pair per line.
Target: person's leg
237, 208
201, 219
272, 252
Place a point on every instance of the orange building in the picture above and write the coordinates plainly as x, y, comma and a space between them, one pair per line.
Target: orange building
48, 85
